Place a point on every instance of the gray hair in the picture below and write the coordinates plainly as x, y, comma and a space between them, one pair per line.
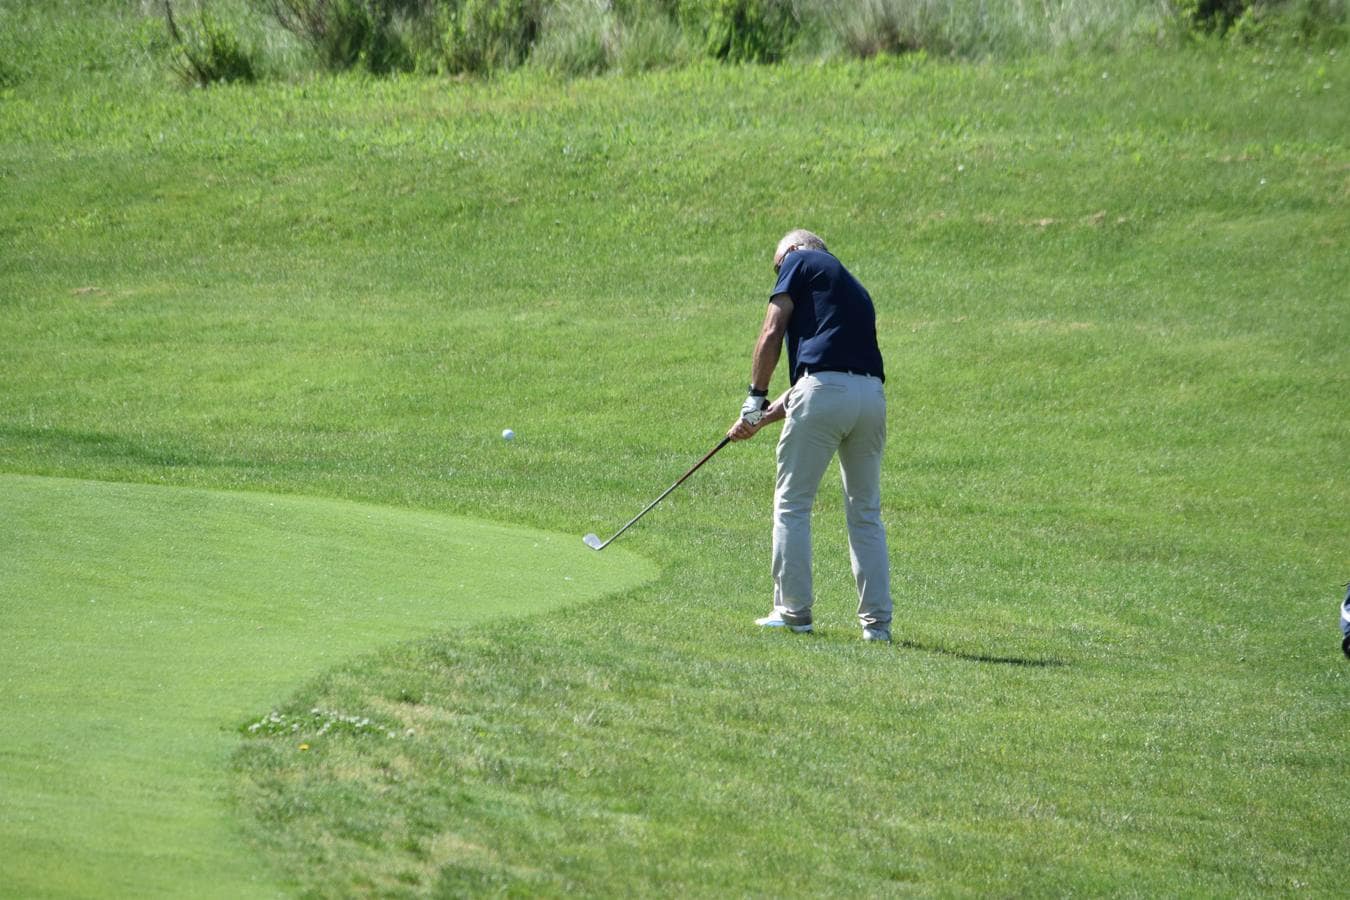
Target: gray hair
800, 238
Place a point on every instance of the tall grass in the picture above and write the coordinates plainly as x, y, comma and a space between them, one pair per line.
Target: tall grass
990, 27
582, 37
243, 39
65, 41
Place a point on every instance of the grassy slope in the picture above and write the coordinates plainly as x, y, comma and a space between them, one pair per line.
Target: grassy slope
1112, 302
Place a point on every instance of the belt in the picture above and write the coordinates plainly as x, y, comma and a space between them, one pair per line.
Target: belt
816, 370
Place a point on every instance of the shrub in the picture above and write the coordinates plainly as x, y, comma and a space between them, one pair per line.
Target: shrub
207, 51
742, 30
349, 33
1304, 22
482, 36
1214, 16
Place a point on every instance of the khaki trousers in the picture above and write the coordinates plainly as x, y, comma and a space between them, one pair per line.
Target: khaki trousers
832, 413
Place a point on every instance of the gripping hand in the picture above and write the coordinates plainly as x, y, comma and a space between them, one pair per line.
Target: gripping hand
752, 410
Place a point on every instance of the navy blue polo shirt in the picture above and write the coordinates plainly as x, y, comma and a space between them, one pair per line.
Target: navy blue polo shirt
833, 324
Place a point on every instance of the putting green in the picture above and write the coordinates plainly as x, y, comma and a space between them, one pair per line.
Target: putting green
143, 625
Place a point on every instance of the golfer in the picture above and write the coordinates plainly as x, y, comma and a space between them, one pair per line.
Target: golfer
834, 405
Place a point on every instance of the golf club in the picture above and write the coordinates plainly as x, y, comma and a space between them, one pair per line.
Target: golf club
594, 542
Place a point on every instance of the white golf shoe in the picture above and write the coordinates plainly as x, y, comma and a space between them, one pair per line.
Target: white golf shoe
775, 620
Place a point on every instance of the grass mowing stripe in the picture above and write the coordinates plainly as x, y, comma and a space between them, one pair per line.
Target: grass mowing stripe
144, 624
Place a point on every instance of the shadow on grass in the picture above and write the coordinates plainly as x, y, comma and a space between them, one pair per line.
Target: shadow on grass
1022, 661
101, 446
106, 447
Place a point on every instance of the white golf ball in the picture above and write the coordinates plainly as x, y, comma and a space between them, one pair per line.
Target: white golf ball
508, 435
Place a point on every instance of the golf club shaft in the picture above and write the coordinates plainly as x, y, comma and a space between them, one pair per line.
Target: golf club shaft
695, 468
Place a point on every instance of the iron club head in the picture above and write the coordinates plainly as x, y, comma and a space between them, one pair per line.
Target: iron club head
593, 541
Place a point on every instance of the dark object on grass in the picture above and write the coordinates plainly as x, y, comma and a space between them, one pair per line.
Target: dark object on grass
1345, 622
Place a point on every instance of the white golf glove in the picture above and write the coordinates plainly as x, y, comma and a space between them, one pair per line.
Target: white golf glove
752, 410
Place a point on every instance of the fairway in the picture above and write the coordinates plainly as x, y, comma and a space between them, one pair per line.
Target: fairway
144, 625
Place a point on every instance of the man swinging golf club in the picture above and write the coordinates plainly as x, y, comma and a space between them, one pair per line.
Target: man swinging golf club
835, 404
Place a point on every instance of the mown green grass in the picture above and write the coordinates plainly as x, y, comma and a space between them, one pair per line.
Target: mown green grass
1111, 298
144, 625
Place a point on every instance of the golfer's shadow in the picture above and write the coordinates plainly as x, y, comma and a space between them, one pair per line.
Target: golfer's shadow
1022, 661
